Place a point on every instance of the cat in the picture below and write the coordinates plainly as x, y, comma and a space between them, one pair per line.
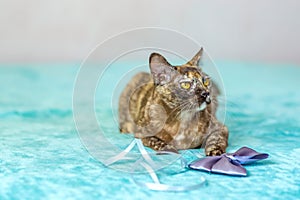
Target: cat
173, 108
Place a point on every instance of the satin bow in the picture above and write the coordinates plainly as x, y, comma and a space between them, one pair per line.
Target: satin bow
229, 163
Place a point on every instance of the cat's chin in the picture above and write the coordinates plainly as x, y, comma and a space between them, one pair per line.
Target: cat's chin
202, 106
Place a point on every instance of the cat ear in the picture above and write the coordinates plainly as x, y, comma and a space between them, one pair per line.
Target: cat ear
161, 70
196, 59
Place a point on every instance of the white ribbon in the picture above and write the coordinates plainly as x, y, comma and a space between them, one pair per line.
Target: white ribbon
149, 164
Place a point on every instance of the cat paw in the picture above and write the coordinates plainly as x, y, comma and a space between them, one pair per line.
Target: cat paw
214, 151
168, 148
157, 144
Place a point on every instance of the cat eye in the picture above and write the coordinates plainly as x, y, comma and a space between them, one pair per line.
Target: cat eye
205, 81
185, 85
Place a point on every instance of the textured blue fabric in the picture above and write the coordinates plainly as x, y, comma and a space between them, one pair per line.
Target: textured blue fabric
41, 155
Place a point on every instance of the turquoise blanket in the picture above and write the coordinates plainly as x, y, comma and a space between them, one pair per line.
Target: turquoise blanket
42, 156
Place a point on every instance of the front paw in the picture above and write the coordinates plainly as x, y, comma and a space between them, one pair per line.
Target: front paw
168, 148
214, 151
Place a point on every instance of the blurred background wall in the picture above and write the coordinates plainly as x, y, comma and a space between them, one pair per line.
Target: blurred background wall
66, 30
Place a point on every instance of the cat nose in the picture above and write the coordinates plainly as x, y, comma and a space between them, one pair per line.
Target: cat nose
204, 94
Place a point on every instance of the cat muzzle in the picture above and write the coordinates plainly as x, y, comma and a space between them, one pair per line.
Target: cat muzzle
208, 100
205, 95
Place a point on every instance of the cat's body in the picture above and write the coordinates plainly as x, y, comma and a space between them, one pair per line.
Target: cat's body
173, 108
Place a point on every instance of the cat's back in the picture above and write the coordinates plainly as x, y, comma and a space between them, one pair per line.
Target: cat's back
135, 84
133, 99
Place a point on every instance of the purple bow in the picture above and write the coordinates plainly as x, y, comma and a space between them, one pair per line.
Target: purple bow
229, 163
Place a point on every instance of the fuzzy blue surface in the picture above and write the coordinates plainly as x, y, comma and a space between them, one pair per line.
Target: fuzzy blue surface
41, 156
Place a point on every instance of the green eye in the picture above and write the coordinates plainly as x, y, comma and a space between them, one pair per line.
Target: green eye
185, 85
205, 81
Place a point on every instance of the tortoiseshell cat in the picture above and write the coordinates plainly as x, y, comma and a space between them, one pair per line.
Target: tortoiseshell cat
173, 108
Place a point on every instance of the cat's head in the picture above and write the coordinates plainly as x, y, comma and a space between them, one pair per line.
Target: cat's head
180, 85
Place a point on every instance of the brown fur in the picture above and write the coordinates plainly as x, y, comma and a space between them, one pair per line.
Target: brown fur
165, 116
